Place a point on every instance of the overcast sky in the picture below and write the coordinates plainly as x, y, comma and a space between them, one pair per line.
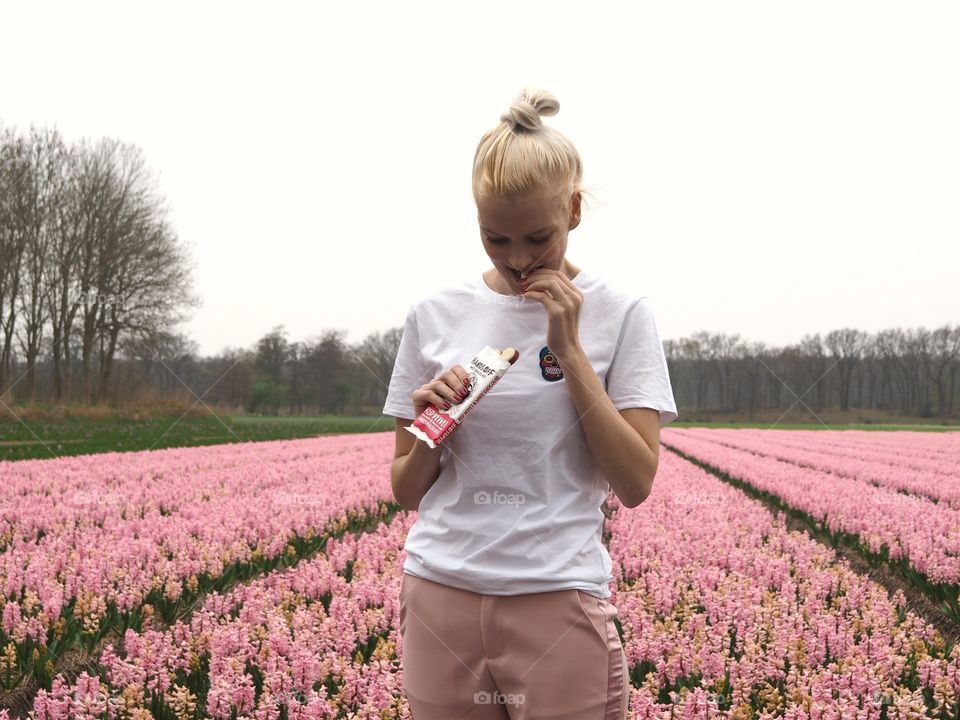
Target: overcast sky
765, 168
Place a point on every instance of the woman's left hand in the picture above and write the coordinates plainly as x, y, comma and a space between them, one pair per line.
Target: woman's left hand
563, 300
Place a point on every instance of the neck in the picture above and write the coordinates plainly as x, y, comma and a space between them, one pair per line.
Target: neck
570, 269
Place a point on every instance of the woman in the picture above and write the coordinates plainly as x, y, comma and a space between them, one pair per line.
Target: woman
503, 609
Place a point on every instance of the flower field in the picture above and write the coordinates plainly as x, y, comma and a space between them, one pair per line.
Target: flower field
890, 492
261, 580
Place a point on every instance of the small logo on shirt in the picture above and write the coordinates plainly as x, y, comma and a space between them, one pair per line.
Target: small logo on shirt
549, 367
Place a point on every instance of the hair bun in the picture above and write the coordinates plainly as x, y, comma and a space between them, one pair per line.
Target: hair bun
527, 108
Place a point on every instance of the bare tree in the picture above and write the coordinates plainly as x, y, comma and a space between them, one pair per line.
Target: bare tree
943, 364
94, 270
694, 353
328, 371
756, 374
954, 343
724, 352
14, 233
814, 368
132, 274
847, 346
149, 285
43, 194
71, 267
272, 356
375, 357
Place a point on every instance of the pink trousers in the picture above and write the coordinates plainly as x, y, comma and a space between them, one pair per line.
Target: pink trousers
539, 656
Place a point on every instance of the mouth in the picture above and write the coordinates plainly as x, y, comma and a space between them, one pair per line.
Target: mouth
517, 275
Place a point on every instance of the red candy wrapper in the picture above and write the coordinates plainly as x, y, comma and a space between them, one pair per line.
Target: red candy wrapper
434, 426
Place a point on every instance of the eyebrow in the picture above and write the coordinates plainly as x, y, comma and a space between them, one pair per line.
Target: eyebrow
535, 232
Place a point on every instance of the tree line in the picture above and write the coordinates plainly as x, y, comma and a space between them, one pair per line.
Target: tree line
88, 261
93, 279
908, 372
913, 372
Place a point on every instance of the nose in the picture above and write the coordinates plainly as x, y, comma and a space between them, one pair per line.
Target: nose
524, 264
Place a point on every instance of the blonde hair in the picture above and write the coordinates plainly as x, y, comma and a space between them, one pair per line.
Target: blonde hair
521, 154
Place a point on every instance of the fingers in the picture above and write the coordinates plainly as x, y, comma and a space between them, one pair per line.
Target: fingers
547, 274
551, 285
462, 375
544, 290
442, 396
457, 383
445, 390
434, 393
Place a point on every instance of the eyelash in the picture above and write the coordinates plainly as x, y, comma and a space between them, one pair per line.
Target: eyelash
500, 241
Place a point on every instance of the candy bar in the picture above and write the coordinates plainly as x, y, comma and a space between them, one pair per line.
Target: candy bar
434, 426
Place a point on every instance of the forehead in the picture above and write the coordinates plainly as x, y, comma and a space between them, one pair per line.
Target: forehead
523, 216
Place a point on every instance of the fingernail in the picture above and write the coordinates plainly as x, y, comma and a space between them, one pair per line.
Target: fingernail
447, 405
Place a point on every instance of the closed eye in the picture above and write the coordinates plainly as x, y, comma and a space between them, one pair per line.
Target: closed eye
535, 241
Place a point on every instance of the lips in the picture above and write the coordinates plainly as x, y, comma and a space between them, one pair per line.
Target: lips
517, 275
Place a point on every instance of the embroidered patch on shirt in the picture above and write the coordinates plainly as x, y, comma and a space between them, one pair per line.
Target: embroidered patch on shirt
549, 367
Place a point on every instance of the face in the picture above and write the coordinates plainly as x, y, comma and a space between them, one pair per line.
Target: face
526, 234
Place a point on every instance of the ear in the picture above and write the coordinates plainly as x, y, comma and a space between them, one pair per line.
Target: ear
575, 210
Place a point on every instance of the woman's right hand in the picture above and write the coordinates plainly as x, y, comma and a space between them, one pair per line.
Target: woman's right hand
445, 388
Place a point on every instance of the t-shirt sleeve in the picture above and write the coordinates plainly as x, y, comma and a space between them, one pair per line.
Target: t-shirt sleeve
410, 371
638, 374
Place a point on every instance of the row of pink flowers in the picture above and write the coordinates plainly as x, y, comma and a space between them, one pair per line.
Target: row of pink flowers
87, 534
923, 533
769, 622
879, 463
293, 639
918, 444
725, 614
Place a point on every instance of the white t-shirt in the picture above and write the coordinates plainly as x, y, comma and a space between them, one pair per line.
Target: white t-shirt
516, 507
